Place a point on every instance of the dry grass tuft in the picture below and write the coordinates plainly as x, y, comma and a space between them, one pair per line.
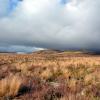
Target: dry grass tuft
10, 86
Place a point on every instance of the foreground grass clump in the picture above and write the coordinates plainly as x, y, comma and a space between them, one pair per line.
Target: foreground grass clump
10, 86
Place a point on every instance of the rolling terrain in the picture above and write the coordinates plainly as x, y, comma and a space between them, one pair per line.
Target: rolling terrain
50, 75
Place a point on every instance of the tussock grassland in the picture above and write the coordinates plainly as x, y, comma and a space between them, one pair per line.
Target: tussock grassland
58, 76
10, 86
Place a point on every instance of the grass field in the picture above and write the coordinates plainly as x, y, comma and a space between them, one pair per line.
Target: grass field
50, 75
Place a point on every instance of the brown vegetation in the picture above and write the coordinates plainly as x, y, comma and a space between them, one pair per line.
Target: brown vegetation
50, 76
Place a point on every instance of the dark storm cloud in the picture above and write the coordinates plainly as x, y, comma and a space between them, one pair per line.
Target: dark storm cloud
74, 24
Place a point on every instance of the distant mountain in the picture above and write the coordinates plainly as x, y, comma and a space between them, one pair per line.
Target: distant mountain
50, 51
7, 53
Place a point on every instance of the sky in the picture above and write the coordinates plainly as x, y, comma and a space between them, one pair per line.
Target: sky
28, 25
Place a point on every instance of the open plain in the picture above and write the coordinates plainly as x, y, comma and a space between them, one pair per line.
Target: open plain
50, 75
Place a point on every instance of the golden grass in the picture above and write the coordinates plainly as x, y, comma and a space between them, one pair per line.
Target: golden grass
10, 86
81, 74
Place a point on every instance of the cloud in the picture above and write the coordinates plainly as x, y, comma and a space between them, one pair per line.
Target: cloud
74, 24
19, 49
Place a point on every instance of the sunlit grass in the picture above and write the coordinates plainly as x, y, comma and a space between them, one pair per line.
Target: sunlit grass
50, 77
